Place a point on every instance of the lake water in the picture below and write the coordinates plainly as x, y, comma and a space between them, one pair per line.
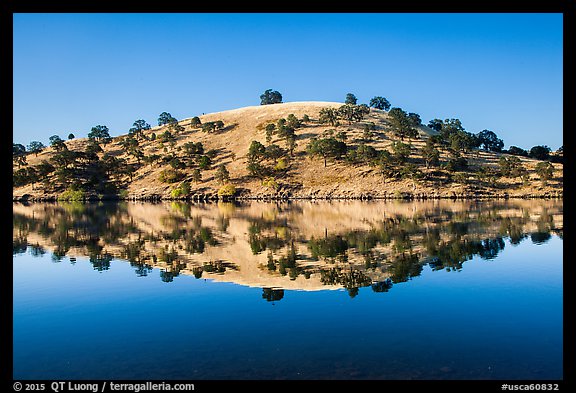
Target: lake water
451, 290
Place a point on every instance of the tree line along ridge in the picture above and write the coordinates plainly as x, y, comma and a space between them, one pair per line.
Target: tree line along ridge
441, 156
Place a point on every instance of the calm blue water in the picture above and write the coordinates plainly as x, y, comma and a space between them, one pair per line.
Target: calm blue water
497, 318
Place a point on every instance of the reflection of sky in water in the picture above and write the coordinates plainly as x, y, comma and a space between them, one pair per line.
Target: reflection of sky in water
493, 319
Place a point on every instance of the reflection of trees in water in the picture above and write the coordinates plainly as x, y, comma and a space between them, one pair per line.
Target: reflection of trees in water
490, 248
286, 264
546, 226
19, 245
191, 231
404, 267
223, 223
259, 241
350, 279
392, 250
101, 262
364, 241
540, 237
402, 242
168, 275
217, 267
382, 286
20, 229
78, 225
329, 247
451, 254
133, 252
371, 260
197, 271
36, 250
92, 226
214, 267
446, 244
141, 268
272, 294
513, 228
403, 263
172, 265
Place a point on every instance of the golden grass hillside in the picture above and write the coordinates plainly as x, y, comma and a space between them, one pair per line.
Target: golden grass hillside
305, 176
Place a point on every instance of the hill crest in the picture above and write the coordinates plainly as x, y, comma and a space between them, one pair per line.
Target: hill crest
305, 176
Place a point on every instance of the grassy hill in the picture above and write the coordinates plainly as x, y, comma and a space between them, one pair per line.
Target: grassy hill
299, 175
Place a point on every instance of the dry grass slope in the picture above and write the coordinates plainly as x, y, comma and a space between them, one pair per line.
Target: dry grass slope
307, 177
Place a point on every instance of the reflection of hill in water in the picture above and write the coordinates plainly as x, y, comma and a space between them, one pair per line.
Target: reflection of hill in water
297, 245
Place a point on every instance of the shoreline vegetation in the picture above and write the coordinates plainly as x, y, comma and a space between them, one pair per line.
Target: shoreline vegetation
284, 197
286, 151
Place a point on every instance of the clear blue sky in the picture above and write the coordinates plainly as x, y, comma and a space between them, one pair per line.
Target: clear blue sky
501, 72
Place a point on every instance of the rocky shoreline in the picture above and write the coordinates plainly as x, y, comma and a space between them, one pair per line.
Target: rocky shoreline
317, 195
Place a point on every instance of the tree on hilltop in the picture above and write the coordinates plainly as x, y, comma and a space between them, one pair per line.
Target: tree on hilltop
435, 124
540, 152
351, 99
351, 112
165, 118
35, 147
270, 97
328, 115
490, 141
450, 126
138, 128
57, 143
195, 122
517, 151
415, 118
380, 103
100, 134
18, 149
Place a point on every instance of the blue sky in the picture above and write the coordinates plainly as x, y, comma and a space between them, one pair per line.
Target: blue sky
501, 72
